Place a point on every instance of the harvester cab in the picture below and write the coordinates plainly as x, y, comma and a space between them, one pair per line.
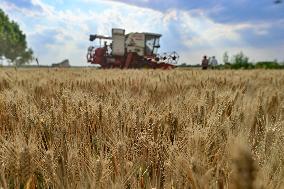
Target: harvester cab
133, 50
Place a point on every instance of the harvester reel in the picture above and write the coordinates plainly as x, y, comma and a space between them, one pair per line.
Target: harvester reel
173, 58
158, 58
165, 58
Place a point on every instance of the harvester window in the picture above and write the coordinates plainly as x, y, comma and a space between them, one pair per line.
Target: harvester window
156, 45
152, 45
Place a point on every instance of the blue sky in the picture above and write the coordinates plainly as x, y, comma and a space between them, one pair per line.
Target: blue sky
59, 29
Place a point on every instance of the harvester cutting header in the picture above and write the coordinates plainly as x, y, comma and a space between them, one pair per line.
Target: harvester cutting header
133, 50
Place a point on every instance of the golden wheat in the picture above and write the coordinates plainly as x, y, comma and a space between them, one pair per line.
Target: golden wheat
88, 128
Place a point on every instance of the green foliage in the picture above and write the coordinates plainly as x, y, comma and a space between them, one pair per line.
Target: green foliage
13, 45
241, 61
269, 65
226, 58
184, 65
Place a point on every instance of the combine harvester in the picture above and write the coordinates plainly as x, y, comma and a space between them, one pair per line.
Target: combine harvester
133, 50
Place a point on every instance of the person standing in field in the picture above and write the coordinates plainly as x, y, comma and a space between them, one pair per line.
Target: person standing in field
204, 63
214, 62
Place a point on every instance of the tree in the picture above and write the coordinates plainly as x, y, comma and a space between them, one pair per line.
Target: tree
241, 61
13, 45
226, 58
240, 58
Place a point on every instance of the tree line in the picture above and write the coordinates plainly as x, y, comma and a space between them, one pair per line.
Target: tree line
13, 44
241, 61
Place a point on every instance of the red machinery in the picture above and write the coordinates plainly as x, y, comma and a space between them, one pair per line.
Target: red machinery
133, 50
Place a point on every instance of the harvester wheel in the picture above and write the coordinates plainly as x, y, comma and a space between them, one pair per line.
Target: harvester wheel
173, 58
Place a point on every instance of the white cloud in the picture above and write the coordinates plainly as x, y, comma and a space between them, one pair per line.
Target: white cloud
193, 30
202, 36
10, 7
202, 31
77, 25
71, 28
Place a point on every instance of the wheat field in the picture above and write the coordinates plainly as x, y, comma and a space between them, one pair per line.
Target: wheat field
192, 129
